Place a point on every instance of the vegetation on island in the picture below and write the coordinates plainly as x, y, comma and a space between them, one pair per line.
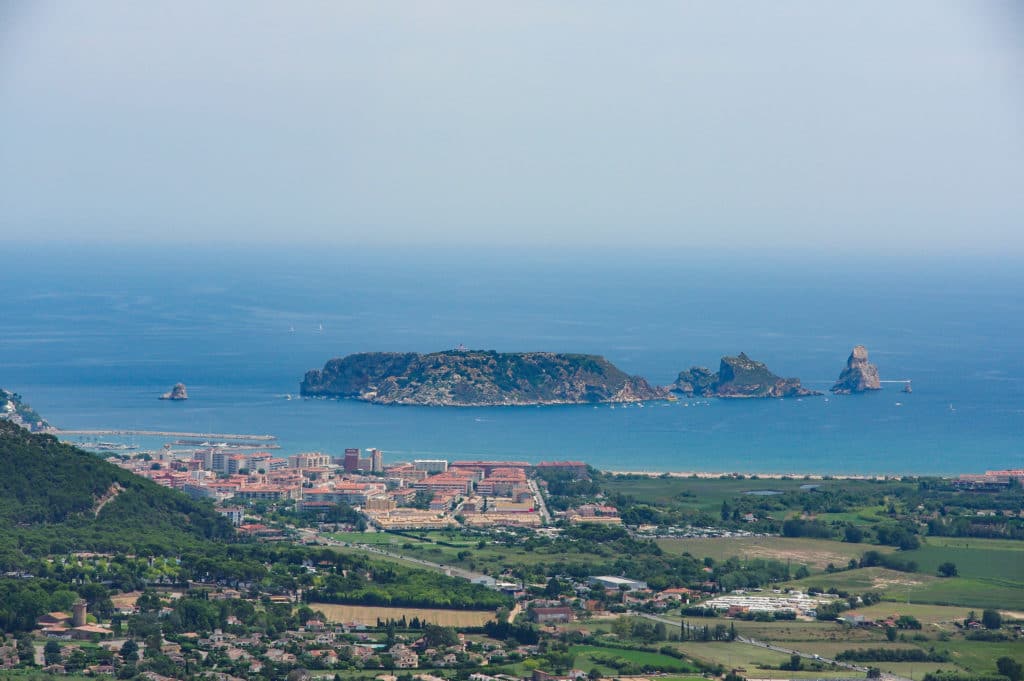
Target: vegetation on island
476, 377
738, 376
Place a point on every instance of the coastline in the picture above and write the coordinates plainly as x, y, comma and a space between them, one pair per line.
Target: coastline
711, 475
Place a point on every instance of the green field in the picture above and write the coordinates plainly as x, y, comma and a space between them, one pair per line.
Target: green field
815, 553
788, 631
916, 587
980, 656
366, 537
750, 658
706, 494
926, 614
585, 658
973, 558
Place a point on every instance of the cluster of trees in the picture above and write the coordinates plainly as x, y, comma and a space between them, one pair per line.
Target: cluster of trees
395, 586
49, 494
887, 560
893, 655
719, 632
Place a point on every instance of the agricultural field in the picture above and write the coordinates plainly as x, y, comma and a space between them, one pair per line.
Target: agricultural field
981, 559
750, 658
594, 657
980, 656
816, 554
705, 494
370, 614
790, 631
937, 617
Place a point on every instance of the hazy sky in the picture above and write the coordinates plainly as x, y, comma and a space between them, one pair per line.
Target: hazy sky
822, 125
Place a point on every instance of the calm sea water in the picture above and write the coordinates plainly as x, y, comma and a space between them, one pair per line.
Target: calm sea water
91, 337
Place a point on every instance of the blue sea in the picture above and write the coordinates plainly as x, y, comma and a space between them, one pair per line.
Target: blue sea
91, 336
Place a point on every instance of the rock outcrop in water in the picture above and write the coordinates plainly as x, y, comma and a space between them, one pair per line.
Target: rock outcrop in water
738, 377
859, 376
178, 392
477, 378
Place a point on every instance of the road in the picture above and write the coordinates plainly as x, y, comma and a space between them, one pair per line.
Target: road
541, 505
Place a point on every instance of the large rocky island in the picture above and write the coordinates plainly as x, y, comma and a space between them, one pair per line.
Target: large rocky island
477, 378
738, 377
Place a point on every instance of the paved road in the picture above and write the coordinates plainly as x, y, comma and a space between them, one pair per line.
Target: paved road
541, 506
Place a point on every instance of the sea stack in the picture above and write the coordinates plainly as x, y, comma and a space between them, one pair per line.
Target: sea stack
178, 392
859, 376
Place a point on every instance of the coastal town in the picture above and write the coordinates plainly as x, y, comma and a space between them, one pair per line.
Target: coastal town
478, 523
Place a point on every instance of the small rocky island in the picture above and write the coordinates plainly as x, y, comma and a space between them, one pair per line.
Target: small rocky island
177, 393
468, 378
738, 377
859, 376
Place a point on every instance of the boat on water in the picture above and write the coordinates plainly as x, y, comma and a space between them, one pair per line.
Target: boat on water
907, 388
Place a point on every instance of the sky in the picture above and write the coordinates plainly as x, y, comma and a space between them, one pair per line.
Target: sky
867, 127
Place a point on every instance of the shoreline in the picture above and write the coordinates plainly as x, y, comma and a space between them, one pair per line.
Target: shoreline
710, 475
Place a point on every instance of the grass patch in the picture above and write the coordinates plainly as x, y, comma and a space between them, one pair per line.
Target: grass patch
926, 614
973, 559
815, 553
916, 587
590, 657
980, 656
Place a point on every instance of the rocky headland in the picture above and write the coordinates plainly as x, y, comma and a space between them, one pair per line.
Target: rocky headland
14, 409
477, 378
859, 376
177, 393
738, 377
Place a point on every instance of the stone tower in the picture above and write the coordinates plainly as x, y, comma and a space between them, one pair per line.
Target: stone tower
78, 613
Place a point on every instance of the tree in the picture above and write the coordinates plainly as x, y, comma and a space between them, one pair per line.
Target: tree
890, 633
990, 619
947, 569
51, 652
874, 673
802, 572
130, 651
1009, 667
26, 651
853, 534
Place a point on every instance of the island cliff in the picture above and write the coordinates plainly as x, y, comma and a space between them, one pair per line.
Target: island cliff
859, 375
177, 393
738, 377
477, 378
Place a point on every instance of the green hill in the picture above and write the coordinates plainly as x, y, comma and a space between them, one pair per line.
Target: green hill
50, 502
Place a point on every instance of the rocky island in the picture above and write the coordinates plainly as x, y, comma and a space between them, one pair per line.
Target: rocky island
859, 376
477, 378
738, 377
177, 393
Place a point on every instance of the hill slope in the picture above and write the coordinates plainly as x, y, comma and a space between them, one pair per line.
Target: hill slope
477, 378
56, 498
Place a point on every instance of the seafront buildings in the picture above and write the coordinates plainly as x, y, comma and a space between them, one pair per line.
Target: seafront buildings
422, 494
